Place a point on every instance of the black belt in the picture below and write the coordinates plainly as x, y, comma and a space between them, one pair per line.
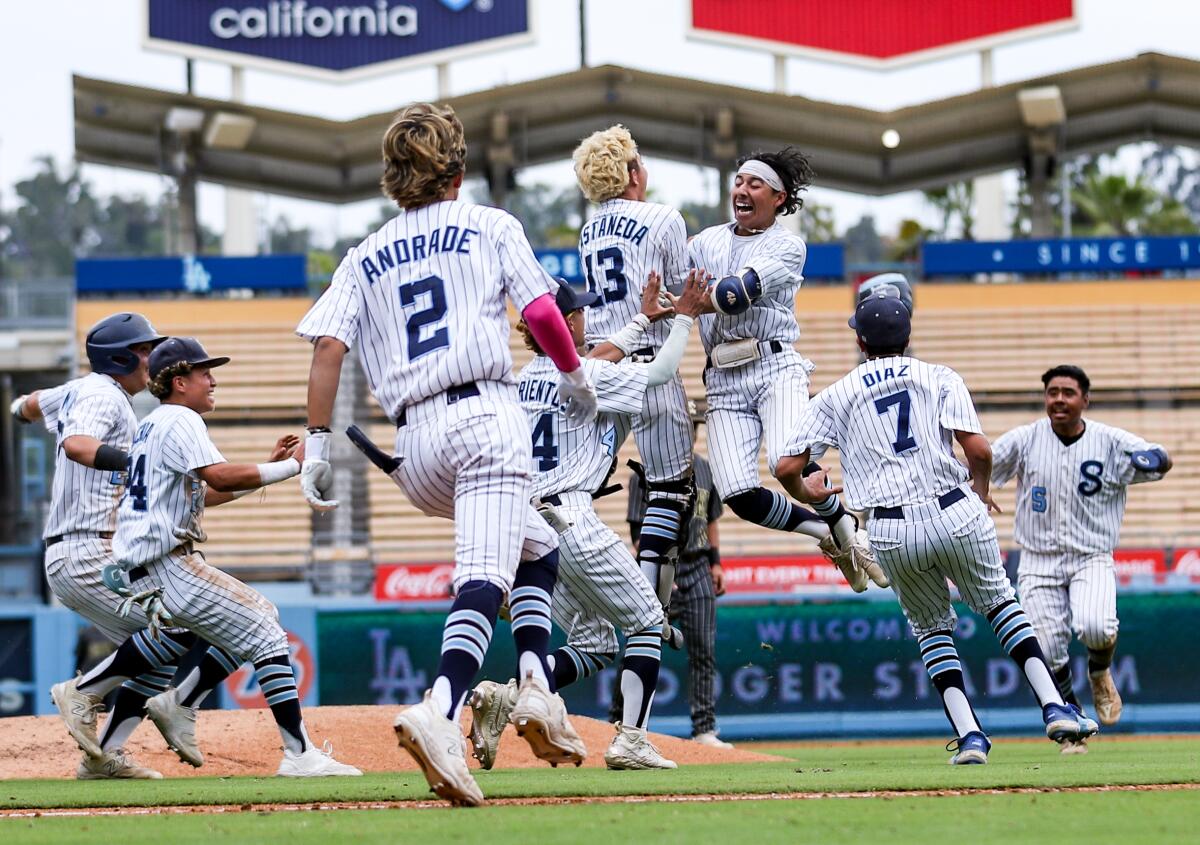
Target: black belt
944, 501
553, 499
462, 391
138, 573
774, 345
58, 538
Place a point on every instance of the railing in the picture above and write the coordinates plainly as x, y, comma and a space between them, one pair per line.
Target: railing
37, 303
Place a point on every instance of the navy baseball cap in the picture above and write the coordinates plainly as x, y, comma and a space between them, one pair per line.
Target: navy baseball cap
882, 321
178, 350
568, 299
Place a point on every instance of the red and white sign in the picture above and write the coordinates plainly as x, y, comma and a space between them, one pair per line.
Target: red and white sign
1187, 562
413, 581
877, 33
242, 687
1139, 563
781, 574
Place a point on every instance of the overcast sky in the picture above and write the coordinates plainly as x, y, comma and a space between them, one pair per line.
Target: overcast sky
44, 42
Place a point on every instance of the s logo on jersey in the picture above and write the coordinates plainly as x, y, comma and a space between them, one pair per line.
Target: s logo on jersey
1089, 478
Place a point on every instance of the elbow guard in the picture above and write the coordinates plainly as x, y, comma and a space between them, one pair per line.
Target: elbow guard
735, 294
110, 459
1150, 460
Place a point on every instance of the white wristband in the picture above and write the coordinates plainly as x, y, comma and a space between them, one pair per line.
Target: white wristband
316, 446
277, 471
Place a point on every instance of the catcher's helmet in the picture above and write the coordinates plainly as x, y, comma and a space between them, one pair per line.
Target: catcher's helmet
109, 340
892, 284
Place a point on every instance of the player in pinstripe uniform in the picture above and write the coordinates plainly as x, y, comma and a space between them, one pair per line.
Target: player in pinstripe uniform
894, 419
423, 299
600, 590
1073, 475
93, 423
625, 241
174, 471
757, 383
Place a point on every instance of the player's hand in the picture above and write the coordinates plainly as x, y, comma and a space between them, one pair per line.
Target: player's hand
579, 397
985, 496
703, 277
285, 447
696, 297
817, 487
718, 579
18, 410
316, 474
656, 304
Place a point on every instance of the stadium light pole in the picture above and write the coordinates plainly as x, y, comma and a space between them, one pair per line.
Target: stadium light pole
582, 34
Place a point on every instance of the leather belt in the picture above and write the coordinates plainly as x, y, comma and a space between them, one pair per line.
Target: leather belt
462, 391
944, 501
58, 538
553, 499
766, 347
137, 574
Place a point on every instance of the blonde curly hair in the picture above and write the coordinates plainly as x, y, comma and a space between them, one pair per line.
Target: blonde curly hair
423, 151
602, 163
162, 384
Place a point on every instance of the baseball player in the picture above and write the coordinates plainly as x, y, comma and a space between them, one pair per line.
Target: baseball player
424, 301
757, 383
93, 423
1072, 477
174, 470
893, 419
600, 588
625, 241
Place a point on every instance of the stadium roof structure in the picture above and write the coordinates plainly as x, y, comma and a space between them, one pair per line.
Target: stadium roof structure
1150, 97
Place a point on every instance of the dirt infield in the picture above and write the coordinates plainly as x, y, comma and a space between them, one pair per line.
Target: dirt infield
246, 742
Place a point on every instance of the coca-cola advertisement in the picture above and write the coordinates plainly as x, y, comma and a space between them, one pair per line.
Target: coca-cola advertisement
413, 581
781, 574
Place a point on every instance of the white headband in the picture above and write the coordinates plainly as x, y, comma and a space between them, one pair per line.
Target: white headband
762, 170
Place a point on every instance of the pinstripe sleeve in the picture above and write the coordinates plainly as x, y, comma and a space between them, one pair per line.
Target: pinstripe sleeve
675, 253
1124, 444
1008, 454
335, 314
50, 402
817, 426
620, 388
780, 264
187, 446
957, 411
523, 276
96, 417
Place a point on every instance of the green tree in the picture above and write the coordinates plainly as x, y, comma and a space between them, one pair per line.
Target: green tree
906, 246
817, 223
550, 215
955, 203
56, 220
1114, 205
698, 216
283, 238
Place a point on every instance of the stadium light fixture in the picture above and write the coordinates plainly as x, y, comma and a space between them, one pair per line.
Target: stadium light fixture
227, 131
1042, 107
182, 120
890, 138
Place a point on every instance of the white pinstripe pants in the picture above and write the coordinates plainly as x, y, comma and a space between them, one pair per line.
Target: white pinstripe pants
663, 432
1065, 593
929, 545
73, 569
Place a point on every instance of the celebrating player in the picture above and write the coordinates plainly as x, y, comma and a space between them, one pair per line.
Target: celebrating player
757, 383
423, 298
892, 418
1072, 476
620, 246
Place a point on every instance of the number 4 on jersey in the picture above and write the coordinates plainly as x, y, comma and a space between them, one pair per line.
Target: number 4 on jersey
545, 450
136, 490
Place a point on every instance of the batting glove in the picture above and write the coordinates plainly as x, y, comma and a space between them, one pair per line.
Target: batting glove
316, 475
578, 395
150, 601
18, 410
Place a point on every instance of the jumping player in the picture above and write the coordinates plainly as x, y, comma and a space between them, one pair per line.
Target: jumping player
1073, 475
424, 300
893, 418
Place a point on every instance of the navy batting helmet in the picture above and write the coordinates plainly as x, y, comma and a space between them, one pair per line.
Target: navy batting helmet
109, 340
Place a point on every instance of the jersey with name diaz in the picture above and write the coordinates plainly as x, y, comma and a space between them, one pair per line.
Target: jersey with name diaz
451, 239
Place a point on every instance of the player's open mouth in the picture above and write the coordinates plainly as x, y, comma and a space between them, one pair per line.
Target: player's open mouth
743, 208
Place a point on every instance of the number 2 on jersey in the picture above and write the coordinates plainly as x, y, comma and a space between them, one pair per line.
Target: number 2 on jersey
432, 313
904, 439
136, 468
544, 447
612, 263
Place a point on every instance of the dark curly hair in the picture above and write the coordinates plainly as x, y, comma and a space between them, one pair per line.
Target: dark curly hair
161, 384
794, 171
1068, 371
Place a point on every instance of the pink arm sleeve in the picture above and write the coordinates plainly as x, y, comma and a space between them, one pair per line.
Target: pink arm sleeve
550, 331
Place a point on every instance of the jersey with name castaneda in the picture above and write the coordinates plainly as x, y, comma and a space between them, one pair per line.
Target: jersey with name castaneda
84, 499
164, 501
618, 248
568, 456
423, 300
1069, 498
893, 420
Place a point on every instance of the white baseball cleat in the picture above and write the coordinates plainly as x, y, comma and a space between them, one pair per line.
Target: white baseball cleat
436, 744
1105, 697
632, 749
78, 711
491, 703
314, 762
711, 739
540, 718
1073, 746
854, 574
114, 765
177, 724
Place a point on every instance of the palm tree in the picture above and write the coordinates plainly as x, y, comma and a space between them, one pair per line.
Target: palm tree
1114, 206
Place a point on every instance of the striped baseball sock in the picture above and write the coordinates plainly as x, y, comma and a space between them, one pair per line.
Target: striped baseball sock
830, 509
138, 655
772, 509
639, 675
658, 545
945, 671
465, 641
1065, 684
1017, 638
278, 684
129, 706
529, 604
196, 681
570, 664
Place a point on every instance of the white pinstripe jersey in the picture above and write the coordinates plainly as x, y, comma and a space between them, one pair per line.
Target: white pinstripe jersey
568, 457
893, 419
83, 498
164, 500
423, 300
777, 256
1069, 498
618, 248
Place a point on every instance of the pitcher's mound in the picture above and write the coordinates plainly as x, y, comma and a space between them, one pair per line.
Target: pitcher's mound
246, 742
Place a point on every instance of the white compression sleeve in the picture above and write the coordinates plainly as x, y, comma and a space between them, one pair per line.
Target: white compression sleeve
277, 471
629, 338
666, 363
